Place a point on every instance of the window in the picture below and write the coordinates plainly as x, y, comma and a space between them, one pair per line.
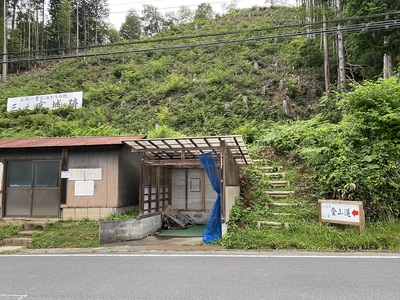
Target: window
19, 174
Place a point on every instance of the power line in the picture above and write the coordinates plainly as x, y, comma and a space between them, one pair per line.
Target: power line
205, 35
350, 28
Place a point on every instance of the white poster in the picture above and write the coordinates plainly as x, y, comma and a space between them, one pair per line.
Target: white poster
84, 188
51, 101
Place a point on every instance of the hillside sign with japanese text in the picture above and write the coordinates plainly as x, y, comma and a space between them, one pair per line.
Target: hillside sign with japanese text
51, 101
342, 212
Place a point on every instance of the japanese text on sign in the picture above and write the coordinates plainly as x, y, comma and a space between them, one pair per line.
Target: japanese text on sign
342, 212
51, 101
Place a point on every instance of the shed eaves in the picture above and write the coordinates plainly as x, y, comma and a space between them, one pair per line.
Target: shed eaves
65, 141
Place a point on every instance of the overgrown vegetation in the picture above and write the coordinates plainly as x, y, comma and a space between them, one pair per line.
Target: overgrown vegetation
304, 231
193, 91
67, 234
128, 215
351, 147
8, 230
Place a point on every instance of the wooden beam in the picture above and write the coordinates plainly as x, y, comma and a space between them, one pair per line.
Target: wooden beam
172, 162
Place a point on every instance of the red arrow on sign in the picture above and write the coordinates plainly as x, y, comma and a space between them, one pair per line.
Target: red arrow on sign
355, 212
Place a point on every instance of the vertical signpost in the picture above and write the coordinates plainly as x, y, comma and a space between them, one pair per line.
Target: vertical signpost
342, 212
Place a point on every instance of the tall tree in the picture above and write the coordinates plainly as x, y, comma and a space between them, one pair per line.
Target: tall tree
3, 35
152, 20
372, 53
64, 23
341, 53
203, 12
131, 28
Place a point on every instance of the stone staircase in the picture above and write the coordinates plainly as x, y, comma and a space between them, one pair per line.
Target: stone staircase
282, 207
24, 237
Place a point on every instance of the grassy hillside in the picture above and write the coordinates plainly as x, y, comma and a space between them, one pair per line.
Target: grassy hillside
223, 88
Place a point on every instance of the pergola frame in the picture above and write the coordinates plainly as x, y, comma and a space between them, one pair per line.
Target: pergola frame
182, 153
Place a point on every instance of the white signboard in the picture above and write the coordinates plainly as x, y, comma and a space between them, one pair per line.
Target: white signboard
86, 174
77, 174
342, 212
84, 188
65, 174
51, 101
1, 176
93, 174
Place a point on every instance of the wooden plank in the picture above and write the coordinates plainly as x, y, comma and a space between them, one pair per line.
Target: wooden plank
342, 212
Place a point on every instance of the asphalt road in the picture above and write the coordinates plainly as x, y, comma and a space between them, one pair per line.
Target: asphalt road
205, 275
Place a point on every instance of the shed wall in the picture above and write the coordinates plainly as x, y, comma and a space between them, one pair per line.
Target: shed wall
106, 189
185, 197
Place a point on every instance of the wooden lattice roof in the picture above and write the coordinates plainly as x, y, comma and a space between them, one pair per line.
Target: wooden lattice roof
188, 148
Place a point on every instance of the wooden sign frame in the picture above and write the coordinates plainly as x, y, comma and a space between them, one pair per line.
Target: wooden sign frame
342, 212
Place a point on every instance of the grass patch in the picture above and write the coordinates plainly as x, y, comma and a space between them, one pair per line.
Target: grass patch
304, 231
128, 215
67, 234
8, 230
316, 236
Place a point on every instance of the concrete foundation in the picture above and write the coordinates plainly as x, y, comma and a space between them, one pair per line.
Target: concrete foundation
92, 213
119, 231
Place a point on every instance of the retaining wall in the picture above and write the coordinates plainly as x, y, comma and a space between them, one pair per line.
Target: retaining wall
119, 231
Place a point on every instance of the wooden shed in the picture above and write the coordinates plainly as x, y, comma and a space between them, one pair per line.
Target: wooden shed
171, 173
69, 177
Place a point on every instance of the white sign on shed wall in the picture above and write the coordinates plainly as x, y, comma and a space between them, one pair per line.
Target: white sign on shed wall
84, 188
51, 101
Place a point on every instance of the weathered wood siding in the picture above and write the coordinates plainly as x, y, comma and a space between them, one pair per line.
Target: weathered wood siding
106, 189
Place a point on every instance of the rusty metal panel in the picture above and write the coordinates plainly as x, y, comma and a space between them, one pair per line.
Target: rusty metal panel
18, 202
46, 203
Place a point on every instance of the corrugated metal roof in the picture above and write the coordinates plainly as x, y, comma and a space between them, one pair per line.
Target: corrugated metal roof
190, 147
65, 141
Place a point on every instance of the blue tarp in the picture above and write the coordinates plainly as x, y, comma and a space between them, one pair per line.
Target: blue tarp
213, 230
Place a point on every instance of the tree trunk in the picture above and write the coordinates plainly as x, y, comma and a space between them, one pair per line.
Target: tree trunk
326, 58
388, 66
4, 76
341, 55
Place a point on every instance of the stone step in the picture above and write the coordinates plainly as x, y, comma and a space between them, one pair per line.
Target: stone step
279, 194
272, 224
38, 224
17, 241
281, 214
272, 169
275, 174
279, 183
283, 204
259, 160
25, 233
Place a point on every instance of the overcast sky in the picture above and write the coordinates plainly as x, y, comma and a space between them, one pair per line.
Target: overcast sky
119, 8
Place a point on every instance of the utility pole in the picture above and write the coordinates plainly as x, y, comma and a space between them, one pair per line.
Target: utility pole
4, 77
77, 27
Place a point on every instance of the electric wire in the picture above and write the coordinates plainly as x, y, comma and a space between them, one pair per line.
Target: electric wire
225, 33
387, 24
